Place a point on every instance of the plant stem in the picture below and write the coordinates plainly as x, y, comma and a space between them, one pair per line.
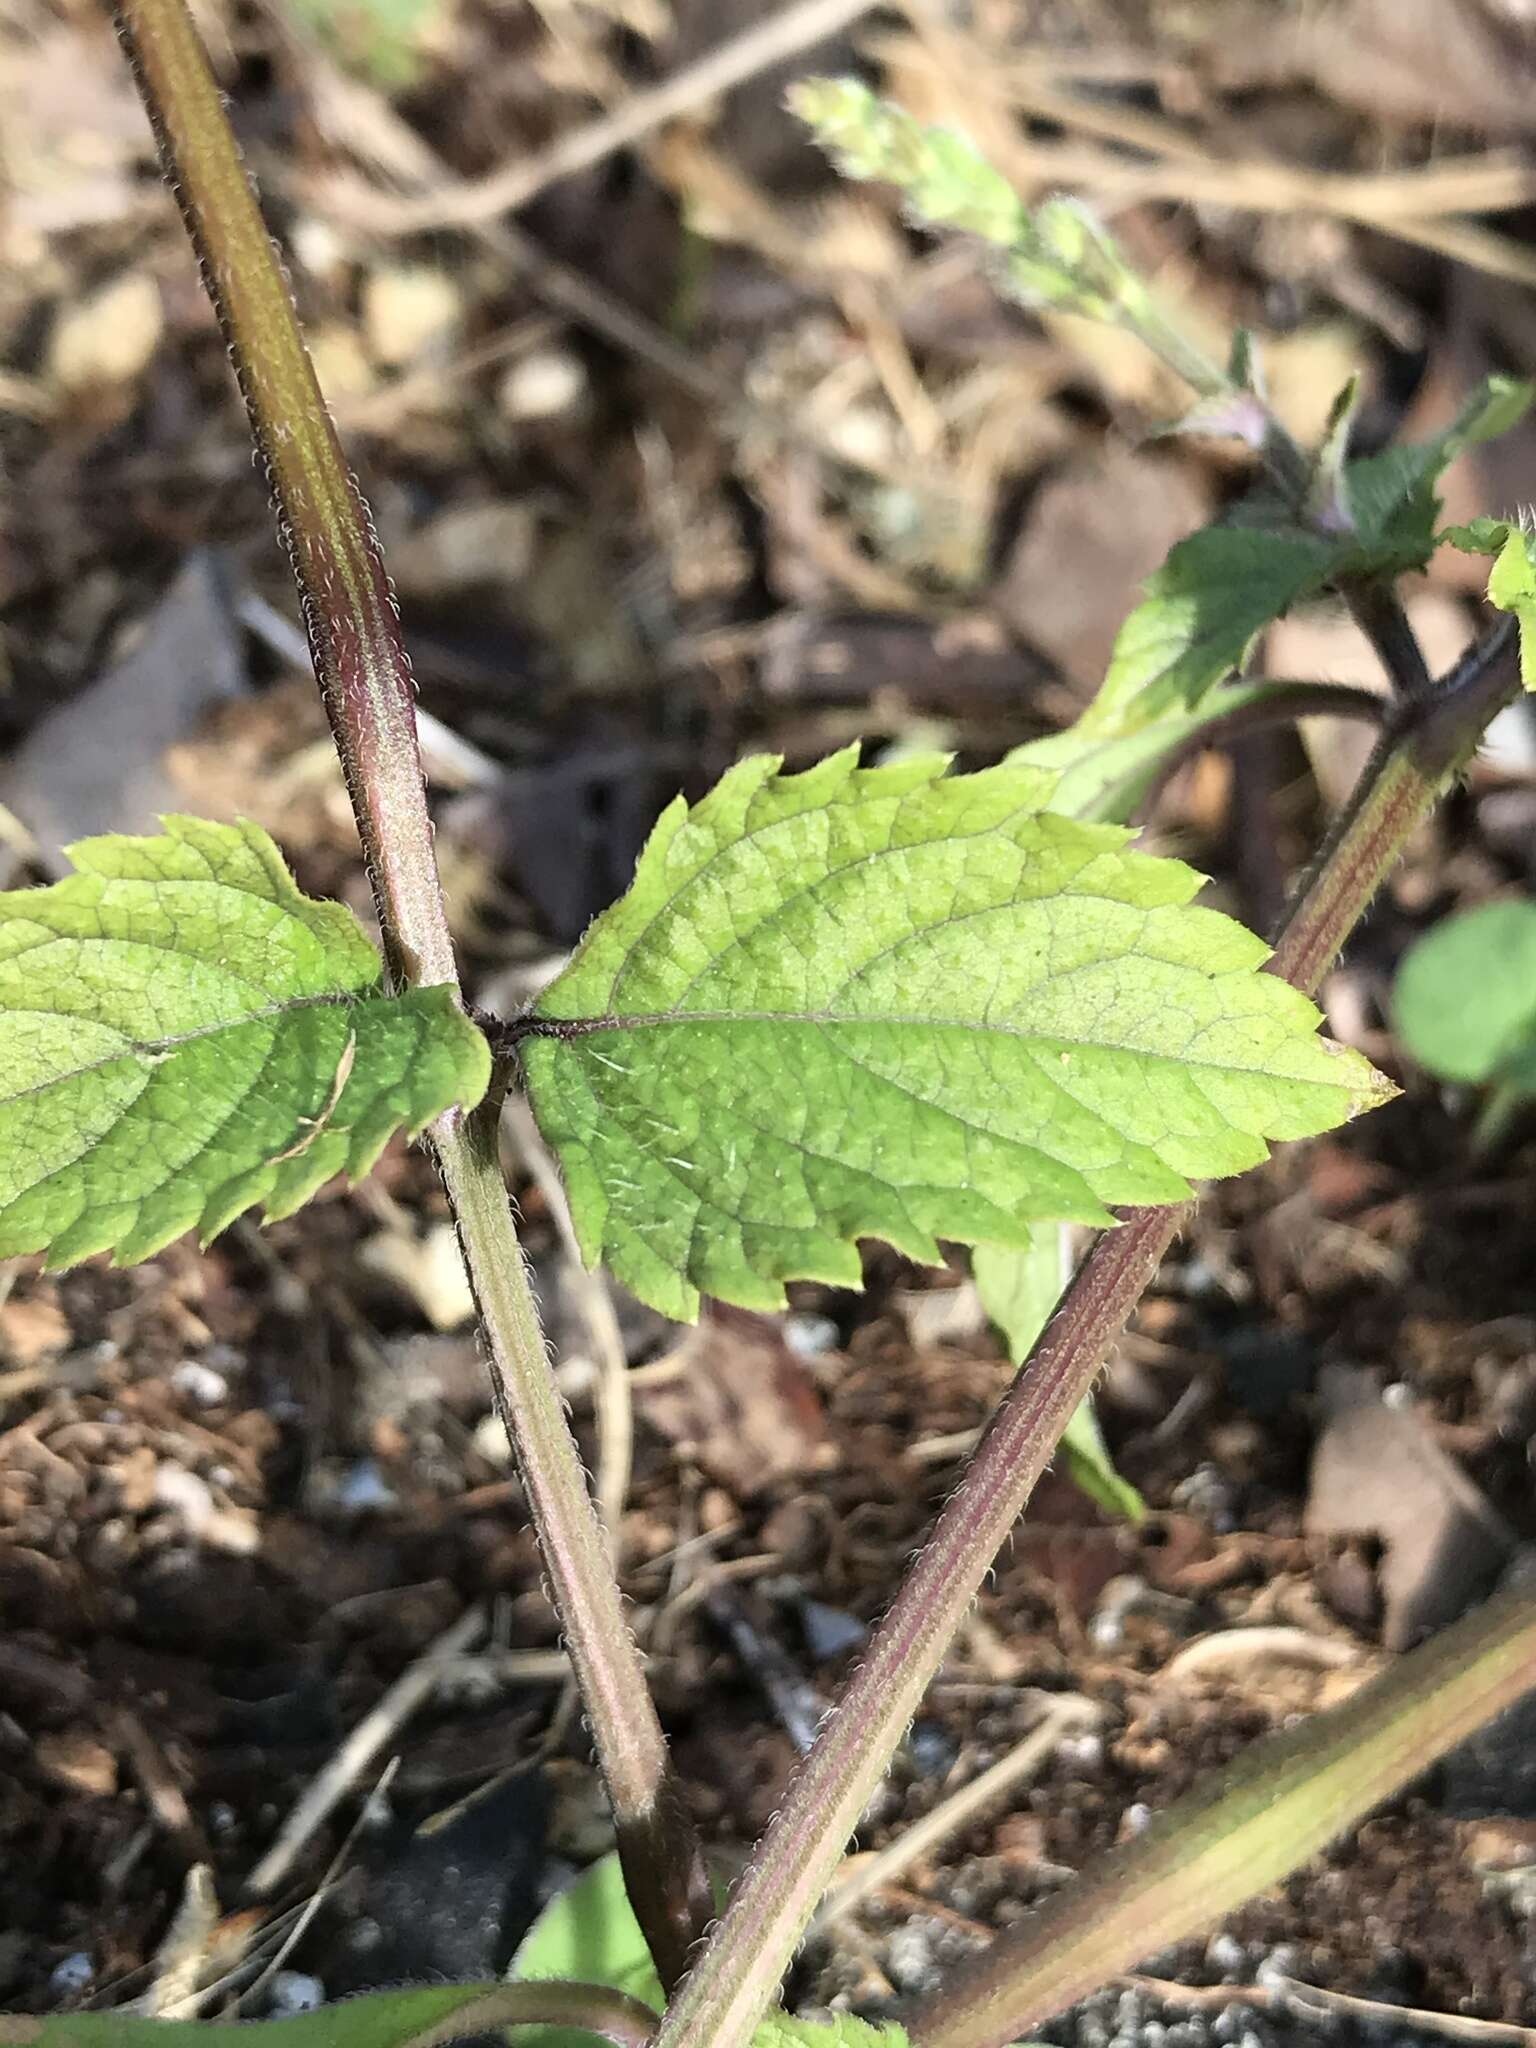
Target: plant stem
663, 1864
1377, 610
1499, 1108
740, 1967
349, 611
364, 674
1282, 1803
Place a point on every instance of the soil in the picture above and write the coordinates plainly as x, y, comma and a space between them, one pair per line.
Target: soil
832, 486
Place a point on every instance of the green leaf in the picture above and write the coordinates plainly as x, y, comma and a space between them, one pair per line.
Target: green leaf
418, 2016
1464, 1003
1392, 497
895, 1003
588, 1932
1225, 583
1202, 609
1019, 1288
183, 1034
1103, 774
838, 2030
1512, 587
1477, 537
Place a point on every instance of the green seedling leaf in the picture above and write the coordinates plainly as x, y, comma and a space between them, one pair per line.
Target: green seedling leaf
420, 2016
1019, 1289
838, 2030
1464, 1003
183, 1034
1103, 774
1391, 497
1477, 537
1202, 610
384, 40
588, 1932
1056, 254
897, 1003
1512, 579
1240, 1831
1512, 587
1224, 584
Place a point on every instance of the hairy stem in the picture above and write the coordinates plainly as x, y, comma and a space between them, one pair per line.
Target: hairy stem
364, 674
349, 611
740, 1967
663, 1864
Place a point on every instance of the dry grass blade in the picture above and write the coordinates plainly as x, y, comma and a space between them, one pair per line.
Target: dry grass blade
1423, 204
866, 1874
779, 35
1286, 1996
410, 1690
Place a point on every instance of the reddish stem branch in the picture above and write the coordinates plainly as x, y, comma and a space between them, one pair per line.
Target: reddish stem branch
740, 1967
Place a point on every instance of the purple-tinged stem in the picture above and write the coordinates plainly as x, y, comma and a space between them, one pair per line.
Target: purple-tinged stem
364, 675
740, 1967
349, 610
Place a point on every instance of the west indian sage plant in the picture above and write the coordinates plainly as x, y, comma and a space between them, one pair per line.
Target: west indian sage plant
893, 1002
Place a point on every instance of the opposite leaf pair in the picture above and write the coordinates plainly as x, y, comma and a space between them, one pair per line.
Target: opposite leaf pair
851, 1002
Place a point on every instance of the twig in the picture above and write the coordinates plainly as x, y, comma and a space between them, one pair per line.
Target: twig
373, 1733
311, 1906
372, 132
164, 1797
769, 41
1419, 205
1064, 1716
612, 1405
1288, 1996
1378, 611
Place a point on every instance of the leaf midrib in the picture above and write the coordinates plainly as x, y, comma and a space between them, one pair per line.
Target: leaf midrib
151, 1050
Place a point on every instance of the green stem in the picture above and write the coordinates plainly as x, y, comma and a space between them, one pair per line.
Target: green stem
364, 674
739, 1969
419, 2016
664, 1868
1237, 1835
1499, 1108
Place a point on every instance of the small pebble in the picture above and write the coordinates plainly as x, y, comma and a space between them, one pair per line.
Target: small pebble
200, 1383
829, 1632
294, 1991
1279, 1964
909, 1959
1134, 1819
1226, 1956
1082, 1752
542, 385
809, 1336
932, 1748
72, 1976
364, 1486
